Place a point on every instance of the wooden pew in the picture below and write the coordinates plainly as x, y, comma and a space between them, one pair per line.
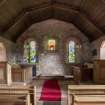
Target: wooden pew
86, 95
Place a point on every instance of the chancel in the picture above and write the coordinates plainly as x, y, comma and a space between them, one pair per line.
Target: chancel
52, 52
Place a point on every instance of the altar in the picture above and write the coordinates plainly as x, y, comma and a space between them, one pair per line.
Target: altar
58, 77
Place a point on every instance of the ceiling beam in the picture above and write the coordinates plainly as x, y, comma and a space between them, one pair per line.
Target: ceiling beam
26, 21
22, 13
60, 12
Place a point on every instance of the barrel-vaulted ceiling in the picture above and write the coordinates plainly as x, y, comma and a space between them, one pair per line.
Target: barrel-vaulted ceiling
17, 15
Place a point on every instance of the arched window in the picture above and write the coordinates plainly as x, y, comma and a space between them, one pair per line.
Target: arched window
2, 52
51, 44
102, 50
72, 51
30, 52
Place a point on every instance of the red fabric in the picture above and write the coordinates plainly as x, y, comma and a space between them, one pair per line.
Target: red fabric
51, 91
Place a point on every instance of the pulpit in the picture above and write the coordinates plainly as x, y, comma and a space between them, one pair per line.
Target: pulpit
22, 72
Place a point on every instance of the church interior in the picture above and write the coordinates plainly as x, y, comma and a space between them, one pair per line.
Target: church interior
52, 52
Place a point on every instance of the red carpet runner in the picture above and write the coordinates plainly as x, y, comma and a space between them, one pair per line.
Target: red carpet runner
51, 91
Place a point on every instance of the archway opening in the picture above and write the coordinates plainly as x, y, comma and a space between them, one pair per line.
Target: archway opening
102, 50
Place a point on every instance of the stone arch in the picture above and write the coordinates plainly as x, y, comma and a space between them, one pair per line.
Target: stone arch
102, 50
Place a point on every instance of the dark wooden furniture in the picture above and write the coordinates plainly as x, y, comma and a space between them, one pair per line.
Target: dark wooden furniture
87, 73
77, 74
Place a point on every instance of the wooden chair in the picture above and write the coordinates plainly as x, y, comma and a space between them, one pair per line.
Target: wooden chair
77, 74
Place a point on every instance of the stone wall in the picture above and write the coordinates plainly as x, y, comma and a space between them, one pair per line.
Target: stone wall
61, 31
50, 64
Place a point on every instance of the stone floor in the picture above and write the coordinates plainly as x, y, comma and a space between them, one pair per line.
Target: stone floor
52, 103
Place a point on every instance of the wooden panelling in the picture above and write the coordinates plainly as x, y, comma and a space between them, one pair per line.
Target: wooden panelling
3, 72
99, 71
17, 75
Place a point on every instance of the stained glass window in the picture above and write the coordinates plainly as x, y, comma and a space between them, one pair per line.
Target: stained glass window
51, 44
30, 52
72, 52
